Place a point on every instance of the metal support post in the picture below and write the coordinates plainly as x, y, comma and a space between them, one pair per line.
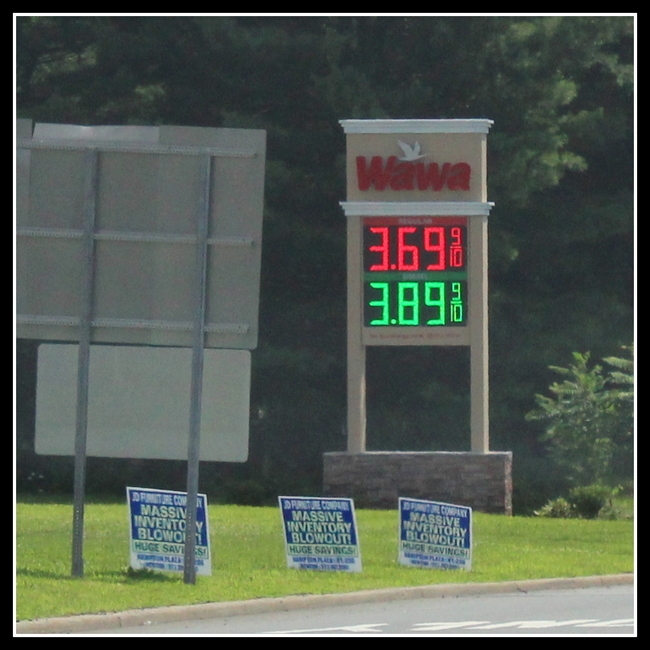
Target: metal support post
83, 368
194, 446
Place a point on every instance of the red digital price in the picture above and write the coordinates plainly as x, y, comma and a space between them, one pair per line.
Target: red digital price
414, 248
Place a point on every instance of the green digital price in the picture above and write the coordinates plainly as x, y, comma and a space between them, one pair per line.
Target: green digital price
415, 303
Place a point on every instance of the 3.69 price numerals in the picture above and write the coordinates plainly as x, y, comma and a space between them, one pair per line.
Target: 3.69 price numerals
414, 248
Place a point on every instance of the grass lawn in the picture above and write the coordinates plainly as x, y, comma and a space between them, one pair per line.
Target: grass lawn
249, 562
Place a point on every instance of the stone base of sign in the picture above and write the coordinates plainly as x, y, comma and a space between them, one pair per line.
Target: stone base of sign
376, 479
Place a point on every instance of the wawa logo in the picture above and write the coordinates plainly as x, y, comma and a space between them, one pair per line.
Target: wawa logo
407, 173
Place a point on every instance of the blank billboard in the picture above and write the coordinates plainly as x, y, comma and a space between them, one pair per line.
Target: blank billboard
139, 402
146, 187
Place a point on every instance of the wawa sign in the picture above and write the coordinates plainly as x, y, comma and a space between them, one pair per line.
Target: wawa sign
390, 173
416, 160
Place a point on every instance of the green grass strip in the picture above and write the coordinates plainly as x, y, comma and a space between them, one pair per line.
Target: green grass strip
249, 562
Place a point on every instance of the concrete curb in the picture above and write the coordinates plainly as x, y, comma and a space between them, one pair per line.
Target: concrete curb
97, 622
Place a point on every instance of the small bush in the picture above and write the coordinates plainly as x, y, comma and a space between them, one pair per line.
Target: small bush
585, 502
246, 492
558, 508
589, 500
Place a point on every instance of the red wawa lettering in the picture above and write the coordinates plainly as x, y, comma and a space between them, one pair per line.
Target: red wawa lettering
409, 176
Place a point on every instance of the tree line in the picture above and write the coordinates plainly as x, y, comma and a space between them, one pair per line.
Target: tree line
560, 91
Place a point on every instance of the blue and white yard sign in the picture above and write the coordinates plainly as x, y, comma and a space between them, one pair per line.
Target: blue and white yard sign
157, 520
320, 534
435, 535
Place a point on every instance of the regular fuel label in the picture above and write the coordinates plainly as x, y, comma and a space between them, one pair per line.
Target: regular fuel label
435, 535
320, 534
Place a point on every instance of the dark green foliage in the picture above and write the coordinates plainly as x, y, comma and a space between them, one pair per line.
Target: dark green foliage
248, 493
560, 161
558, 508
147, 574
585, 502
589, 421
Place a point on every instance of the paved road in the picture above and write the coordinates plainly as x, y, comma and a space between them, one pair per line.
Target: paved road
584, 606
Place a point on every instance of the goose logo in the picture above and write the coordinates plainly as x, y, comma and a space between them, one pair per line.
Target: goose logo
411, 153
410, 172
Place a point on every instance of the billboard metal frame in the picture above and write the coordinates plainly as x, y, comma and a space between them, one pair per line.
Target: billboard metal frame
92, 142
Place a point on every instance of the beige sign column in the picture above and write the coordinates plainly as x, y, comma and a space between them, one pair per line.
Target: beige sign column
402, 168
479, 340
479, 344
356, 427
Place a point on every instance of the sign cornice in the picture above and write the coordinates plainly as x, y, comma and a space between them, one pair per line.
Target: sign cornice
415, 208
417, 126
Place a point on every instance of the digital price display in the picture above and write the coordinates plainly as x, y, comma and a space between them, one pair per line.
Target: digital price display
415, 271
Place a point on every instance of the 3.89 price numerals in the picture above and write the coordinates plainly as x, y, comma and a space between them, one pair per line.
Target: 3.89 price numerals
420, 303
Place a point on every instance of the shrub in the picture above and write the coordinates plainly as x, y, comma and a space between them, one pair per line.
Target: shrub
582, 502
589, 420
558, 508
247, 492
589, 500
